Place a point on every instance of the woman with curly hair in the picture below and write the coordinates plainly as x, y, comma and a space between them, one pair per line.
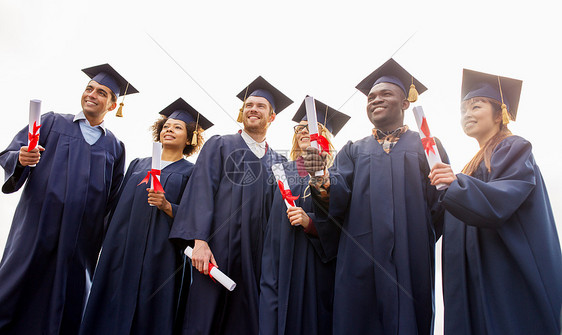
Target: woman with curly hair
502, 267
297, 279
140, 275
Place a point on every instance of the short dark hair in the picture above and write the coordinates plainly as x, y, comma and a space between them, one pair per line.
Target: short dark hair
188, 150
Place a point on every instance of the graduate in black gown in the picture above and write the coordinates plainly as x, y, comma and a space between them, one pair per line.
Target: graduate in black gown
502, 267
138, 279
59, 223
380, 195
224, 214
297, 281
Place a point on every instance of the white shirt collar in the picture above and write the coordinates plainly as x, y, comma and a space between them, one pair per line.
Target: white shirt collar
81, 116
258, 148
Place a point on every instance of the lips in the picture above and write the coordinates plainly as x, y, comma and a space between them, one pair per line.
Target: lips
169, 137
305, 138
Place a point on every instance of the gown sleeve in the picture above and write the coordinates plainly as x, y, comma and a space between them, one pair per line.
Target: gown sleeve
489, 204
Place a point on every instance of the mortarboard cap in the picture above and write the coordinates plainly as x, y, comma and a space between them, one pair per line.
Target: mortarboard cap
332, 119
261, 88
106, 75
181, 110
505, 90
394, 73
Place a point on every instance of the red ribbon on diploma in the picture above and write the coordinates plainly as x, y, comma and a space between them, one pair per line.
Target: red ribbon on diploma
33, 137
428, 142
322, 142
157, 185
286, 194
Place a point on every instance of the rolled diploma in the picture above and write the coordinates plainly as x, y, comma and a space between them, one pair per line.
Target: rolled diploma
432, 158
279, 173
156, 161
312, 124
216, 273
34, 117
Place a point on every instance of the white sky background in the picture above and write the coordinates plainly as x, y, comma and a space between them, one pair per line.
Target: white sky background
321, 48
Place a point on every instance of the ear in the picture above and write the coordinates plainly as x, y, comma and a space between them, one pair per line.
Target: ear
112, 107
272, 117
405, 104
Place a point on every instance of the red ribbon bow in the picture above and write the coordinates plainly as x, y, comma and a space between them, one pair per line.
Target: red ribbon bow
428, 142
33, 137
322, 141
157, 185
286, 194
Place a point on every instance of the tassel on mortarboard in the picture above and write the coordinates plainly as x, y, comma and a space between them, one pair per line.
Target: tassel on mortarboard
505, 114
195, 132
122, 103
241, 113
413, 93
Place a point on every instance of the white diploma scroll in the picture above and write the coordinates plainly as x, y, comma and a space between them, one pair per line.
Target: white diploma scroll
430, 146
156, 161
215, 273
279, 173
312, 124
34, 123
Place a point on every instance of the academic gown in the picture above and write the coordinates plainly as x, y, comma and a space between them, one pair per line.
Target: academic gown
502, 268
390, 220
138, 278
58, 226
297, 280
234, 190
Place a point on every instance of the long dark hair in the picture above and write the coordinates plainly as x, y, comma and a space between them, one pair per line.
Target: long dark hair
485, 153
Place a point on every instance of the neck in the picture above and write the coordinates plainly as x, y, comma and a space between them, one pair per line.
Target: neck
256, 135
482, 140
94, 120
171, 154
388, 127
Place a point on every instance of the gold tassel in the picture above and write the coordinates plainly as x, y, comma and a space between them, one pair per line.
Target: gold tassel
240, 116
122, 103
120, 110
194, 138
413, 94
505, 114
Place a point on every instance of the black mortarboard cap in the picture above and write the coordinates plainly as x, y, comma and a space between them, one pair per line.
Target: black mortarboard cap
326, 115
181, 110
106, 75
394, 73
261, 88
502, 89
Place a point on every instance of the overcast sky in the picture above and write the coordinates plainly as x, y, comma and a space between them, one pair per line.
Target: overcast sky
320, 48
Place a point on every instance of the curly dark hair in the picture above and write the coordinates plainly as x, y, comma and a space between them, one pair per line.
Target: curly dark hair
188, 150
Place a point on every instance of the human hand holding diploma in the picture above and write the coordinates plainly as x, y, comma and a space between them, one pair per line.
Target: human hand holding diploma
211, 269
429, 145
317, 141
288, 197
154, 174
29, 155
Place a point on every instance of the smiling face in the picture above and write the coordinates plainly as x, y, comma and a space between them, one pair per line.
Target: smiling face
97, 100
386, 103
302, 135
257, 114
480, 119
174, 135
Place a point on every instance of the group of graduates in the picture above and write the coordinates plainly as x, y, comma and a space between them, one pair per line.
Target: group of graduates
346, 246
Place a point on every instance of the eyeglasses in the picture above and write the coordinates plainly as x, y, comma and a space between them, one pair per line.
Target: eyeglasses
301, 127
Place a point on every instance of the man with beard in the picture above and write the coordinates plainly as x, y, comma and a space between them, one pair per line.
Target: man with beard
223, 212
383, 218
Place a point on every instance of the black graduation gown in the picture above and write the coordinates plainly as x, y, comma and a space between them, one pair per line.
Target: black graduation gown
502, 268
58, 226
391, 221
138, 278
234, 190
297, 280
